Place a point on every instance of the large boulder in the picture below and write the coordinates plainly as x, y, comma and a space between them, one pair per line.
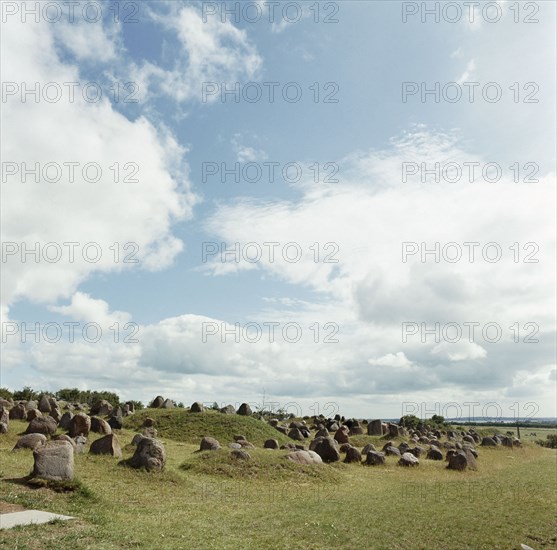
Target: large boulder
209, 444
367, 448
341, 435
434, 453
44, 404
244, 410
18, 412
100, 426
353, 455
55, 413
32, 414
239, 454
168, 404
54, 461
304, 457
229, 409
271, 444
374, 428
80, 443
326, 448
197, 407
157, 402
149, 454
408, 459
30, 441
80, 424
116, 421
107, 445
43, 425
489, 442
295, 434
374, 458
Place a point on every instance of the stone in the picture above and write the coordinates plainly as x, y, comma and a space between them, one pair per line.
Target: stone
367, 448
65, 420
104, 408
488, 442
43, 425
100, 426
374, 428
157, 402
244, 410
197, 407
391, 451
271, 444
295, 434
44, 404
245, 444
32, 414
17, 412
3, 428
240, 454
131, 406
356, 429
234, 445
394, 430
107, 445
149, 454
168, 404
80, 424
64, 437
209, 444
54, 461
404, 447
148, 422
457, 460
341, 435
116, 422
322, 432
434, 454
150, 432
30, 441
56, 413
304, 457
80, 443
374, 458
274, 422
417, 451
4, 415
408, 459
136, 439
468, 439
229, 409
326, 448
353, 455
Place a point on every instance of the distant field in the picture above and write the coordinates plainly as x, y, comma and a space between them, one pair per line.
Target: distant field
208, 501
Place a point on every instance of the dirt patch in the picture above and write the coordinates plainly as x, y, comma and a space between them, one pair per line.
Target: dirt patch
7, 508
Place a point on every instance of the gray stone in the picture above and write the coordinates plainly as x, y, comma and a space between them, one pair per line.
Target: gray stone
374, 428
100, 426
408, 459
209, 444
434, 454
157, 402
197, 407
489, 442
107, 445
80, 424
149, 454
44, 404
80, 443
54, 461
304, 457
374, 458
30, 441
229, 409
271, 444
65, 420
43, 425
326, 448
244, 410
353, 455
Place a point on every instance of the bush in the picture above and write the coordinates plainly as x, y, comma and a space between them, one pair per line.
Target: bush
26, 394
5, 393
551, 441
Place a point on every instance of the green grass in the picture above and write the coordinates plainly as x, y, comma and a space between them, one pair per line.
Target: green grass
181, 425
208, 501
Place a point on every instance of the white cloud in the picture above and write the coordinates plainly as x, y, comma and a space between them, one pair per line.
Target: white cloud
103, 212
459, 351
397, 359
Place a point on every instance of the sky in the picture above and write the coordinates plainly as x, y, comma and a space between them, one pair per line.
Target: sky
317, 206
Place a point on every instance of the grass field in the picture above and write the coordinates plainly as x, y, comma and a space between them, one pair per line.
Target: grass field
209, 501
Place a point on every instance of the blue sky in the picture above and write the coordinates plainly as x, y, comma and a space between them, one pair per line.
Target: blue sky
170, 132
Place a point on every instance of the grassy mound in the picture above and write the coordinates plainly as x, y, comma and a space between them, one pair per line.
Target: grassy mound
181, 425
264, 465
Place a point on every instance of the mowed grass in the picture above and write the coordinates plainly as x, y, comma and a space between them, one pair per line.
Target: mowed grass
209, 501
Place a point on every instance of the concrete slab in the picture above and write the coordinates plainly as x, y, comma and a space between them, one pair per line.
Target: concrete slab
28, 517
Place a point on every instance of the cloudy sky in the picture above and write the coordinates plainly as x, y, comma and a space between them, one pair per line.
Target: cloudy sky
332, 206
